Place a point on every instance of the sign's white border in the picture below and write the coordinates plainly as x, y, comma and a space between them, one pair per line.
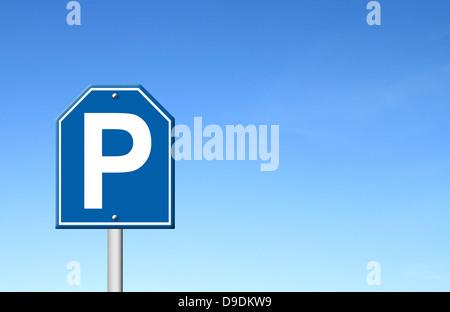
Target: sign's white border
116, 224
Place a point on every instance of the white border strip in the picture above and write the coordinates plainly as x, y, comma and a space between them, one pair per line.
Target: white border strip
170, 165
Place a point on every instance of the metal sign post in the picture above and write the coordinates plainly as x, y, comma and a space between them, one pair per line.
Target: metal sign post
115, 260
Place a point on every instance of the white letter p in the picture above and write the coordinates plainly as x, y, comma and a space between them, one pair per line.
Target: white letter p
95, 164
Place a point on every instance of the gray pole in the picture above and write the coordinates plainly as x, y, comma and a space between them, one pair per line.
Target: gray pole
115, 260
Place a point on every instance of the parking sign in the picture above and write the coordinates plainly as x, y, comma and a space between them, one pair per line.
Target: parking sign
114, 163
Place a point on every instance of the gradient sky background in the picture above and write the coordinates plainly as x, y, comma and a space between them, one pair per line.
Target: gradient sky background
364, 154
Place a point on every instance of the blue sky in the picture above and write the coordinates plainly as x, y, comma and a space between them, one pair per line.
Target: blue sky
364, 160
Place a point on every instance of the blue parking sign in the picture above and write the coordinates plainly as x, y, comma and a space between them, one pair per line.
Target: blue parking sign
114, 162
